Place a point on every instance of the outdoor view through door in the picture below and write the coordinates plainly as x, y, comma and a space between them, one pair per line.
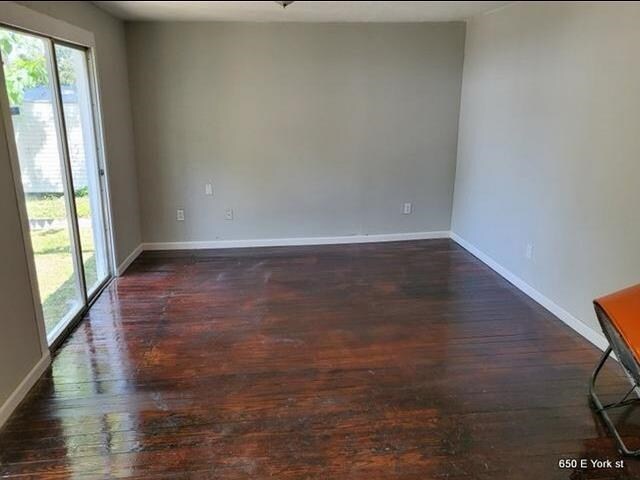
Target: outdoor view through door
50, 103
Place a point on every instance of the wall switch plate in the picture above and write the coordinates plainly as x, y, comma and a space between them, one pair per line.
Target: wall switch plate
208, 189
228, 214
406, 209
180, 215
528, 251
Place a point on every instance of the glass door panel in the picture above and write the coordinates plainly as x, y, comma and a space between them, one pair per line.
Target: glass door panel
28, 72
71, 64
52, 118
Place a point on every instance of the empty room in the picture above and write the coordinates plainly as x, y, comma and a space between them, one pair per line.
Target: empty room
320, 240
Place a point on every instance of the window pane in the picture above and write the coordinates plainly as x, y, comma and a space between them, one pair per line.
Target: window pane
78, 116
29, 87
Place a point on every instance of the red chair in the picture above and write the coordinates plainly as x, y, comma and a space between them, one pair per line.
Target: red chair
619, 317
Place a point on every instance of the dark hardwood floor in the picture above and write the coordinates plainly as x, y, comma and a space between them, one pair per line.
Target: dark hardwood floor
401, 360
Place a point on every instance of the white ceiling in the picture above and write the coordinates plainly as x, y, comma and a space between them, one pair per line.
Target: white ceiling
299, 11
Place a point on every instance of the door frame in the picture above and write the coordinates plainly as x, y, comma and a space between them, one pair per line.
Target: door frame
20, 18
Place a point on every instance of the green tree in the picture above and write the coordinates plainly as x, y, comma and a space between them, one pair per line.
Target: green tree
25, 64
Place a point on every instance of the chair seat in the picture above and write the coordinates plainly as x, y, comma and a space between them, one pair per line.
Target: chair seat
623, 310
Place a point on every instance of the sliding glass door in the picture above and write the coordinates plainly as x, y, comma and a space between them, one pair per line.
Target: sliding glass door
52, 117
71, 64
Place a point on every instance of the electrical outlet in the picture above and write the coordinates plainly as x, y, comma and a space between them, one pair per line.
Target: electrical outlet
228, 214
180, 215
528, 251
406, 209
208, 189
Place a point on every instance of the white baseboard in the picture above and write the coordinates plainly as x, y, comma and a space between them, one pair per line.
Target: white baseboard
129, 260
582, 328
23, 388
294, 241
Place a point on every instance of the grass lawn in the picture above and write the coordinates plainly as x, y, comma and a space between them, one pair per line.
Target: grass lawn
52, 206
54, 262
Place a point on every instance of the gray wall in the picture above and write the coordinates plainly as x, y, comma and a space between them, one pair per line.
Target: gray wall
303, 129
116, 110
549, 150
19, 340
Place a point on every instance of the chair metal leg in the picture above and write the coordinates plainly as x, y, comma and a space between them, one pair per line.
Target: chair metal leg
602, 409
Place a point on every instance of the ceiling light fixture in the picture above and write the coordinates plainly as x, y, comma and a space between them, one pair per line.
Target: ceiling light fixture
284, 4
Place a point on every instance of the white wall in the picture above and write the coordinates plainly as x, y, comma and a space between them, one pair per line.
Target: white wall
549, 147
305, 130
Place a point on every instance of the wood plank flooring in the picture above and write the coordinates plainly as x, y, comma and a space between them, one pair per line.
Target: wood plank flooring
406, 360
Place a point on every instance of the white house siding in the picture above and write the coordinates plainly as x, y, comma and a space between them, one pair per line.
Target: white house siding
38, 150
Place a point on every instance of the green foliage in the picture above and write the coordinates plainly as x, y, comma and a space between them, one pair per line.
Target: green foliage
25, 64
82, 191
52, 206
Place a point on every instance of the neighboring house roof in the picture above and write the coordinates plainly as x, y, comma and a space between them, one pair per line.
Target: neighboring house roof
42, 94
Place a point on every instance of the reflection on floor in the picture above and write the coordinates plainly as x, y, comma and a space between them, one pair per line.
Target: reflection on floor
402, 360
